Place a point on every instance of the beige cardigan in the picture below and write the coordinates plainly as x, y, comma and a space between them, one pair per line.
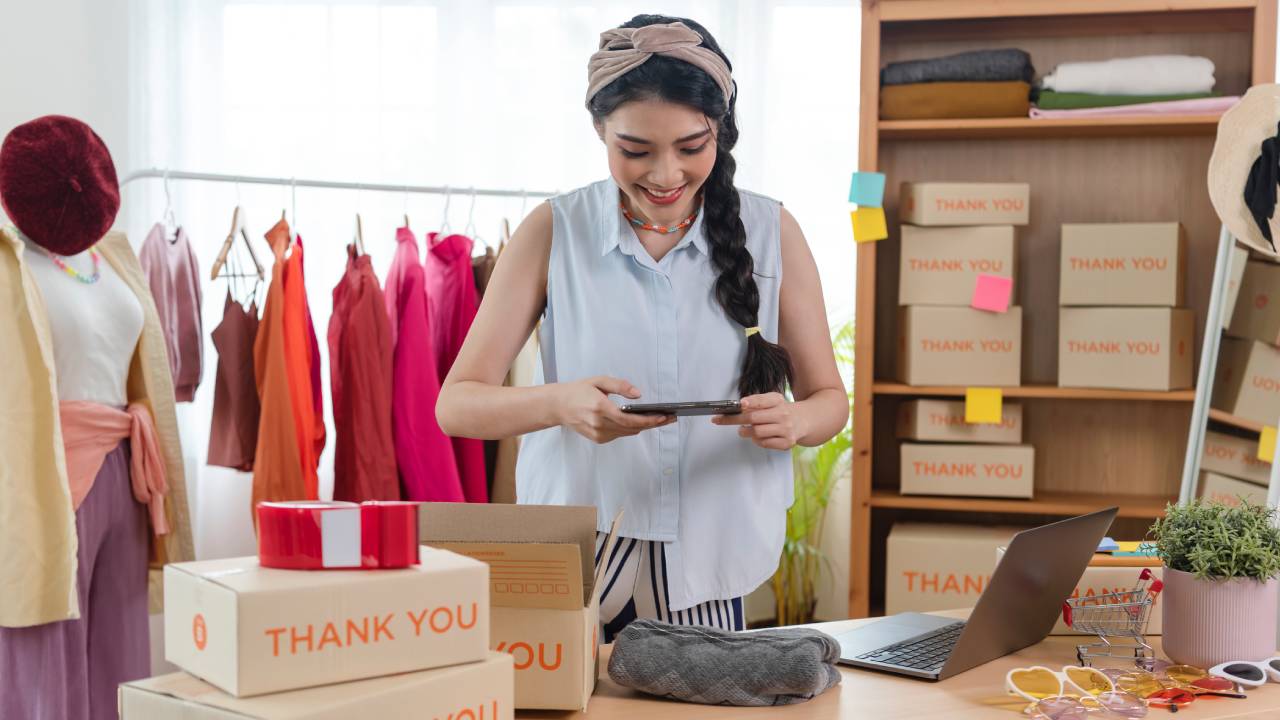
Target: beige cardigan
37, 524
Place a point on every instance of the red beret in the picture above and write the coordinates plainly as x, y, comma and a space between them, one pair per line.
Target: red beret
58, 184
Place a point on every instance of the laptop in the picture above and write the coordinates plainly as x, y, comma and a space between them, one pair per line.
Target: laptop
1019, 607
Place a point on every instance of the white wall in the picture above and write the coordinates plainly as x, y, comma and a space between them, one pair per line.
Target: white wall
68, 57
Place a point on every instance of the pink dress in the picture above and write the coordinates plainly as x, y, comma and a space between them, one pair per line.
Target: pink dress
451, 288
424, 454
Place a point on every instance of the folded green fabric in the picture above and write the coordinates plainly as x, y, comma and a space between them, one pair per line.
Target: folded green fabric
1051, 100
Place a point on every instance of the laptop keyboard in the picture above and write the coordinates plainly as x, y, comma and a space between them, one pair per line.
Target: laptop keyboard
928, 653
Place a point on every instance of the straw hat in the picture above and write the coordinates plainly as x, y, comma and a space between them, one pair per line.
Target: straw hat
1241, 133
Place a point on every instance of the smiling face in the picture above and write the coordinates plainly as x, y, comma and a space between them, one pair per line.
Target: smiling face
660, 154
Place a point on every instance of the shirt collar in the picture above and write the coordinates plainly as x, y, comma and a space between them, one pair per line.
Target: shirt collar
616, 232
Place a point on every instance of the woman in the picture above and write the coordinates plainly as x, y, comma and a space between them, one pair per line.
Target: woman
663, 282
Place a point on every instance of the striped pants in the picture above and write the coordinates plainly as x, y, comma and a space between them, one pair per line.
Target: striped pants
635, 586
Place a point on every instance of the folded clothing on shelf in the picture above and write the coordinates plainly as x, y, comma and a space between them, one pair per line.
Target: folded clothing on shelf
976, 66
1054, 100
1146, 75
923, 101
1202, 106
714, 667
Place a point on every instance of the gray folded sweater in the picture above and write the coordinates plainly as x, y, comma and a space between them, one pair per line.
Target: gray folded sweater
710, 666
976, 66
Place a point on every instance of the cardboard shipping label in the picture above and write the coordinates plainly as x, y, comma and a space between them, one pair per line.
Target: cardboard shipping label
944, 203
943, 421
252, 630
1257, 308
1117, 264
935, 566
941, 265
968, 470
959, 346
1247, 381
1234, 457
1125, 348
470, 691
1229, 491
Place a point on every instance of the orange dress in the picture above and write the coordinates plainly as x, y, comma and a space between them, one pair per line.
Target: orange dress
277, 466
303, 369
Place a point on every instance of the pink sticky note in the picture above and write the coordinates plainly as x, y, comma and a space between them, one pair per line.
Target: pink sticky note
992, 292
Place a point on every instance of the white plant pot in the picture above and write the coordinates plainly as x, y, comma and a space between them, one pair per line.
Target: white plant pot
1206, 622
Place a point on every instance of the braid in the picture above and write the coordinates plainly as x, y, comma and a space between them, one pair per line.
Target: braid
767, 366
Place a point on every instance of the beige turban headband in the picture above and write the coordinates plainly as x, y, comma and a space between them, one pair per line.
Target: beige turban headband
625, 49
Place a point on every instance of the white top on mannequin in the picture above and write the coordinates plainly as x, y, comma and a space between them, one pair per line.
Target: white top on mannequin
95, 327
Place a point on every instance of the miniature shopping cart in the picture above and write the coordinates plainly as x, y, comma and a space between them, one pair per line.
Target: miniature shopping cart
1119, 619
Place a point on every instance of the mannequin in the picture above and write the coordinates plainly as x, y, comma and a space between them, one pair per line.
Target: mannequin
96, 486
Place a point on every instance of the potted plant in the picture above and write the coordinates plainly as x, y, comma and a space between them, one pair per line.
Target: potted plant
1220, 572
817, 470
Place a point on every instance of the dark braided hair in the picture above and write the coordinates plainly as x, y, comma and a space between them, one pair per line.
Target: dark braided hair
767, 367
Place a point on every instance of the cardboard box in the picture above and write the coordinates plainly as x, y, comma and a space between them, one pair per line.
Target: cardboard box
1107, 574
1122, 264
1220, 488
940, 203
943, 421
959, 346
472, 690
1125, 348
968, 470
1247, 381
1235, 457
941, 265
544, 589
1235, 275
1257, 308
251, 630
934, 566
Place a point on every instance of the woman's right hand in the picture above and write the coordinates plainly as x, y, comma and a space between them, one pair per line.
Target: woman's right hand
584, 406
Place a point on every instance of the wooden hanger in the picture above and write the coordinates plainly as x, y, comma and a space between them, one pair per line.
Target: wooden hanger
504, 236
237, 226
360, 235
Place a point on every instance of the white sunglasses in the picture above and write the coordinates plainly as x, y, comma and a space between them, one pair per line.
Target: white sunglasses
1252, 674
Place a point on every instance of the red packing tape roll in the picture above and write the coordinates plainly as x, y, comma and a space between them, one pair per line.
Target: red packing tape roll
316, 535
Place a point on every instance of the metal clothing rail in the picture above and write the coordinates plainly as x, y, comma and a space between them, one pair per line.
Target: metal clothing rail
330, 184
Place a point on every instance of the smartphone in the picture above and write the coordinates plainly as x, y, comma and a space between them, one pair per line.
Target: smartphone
705, 407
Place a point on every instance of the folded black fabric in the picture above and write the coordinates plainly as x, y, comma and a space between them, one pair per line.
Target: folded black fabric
714, 667
975, 66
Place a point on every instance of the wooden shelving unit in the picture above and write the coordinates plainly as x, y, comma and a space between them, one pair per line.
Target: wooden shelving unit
1048, 503
1093, 447
1171, 125
1037, 391
1227, 418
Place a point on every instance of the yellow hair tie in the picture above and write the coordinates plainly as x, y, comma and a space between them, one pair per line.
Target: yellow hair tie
752, 331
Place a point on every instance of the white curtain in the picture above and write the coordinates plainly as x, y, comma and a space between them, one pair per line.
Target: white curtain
465, 93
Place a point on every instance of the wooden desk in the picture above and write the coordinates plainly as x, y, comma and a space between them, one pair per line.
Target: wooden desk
978, 693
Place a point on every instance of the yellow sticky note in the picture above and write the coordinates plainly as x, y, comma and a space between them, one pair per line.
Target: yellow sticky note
983, 406
868, 224
1267, 444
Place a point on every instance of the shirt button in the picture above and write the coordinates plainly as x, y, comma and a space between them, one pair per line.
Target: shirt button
668, 471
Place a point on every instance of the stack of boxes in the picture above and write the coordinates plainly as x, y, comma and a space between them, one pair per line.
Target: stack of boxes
952, 234
266, 643
1121, 324
1247, 382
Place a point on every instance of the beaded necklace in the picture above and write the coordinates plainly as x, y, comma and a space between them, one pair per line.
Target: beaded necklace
76, 274
664, 229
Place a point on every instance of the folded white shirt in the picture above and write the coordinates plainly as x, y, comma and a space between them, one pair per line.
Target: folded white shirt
1147, 75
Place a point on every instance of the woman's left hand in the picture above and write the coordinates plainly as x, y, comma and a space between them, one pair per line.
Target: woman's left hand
769, 420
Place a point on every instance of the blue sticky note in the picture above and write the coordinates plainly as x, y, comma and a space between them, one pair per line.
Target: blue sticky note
867, 189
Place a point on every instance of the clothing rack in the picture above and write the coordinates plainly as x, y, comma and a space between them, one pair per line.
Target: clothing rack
446, 190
